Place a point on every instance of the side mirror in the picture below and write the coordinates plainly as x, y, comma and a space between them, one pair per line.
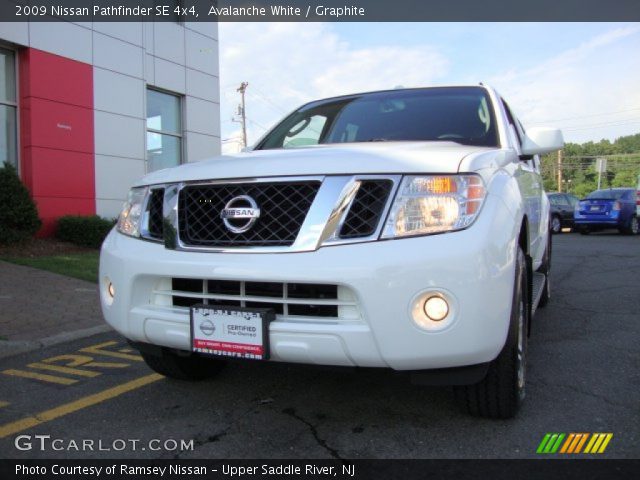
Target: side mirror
541, 140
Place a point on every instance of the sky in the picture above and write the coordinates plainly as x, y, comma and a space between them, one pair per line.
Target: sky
581, 77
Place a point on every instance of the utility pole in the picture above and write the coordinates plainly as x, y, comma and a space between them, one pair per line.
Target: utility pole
559, 170
241, 111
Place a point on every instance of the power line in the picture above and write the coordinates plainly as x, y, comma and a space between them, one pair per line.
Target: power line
586, 116
600, 125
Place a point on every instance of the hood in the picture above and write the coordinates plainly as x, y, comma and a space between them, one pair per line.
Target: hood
354, 158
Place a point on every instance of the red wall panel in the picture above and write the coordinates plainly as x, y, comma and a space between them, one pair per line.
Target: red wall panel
61, 126
60, 79
61, 173
57, 134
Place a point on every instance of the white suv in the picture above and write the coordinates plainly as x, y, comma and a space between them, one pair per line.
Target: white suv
403, 229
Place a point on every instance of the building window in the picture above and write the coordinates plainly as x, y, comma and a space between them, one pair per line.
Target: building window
164, 130
8, 108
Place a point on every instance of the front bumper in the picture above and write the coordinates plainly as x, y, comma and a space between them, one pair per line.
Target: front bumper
474, 267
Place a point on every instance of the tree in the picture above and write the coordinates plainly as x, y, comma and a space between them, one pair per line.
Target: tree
18, 215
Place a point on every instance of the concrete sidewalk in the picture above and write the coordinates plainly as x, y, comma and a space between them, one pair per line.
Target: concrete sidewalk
40, 308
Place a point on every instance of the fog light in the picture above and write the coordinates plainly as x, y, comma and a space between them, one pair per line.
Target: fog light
436, 308
112, 291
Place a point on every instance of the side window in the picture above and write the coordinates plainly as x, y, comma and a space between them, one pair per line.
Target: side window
164, 130
512, 122
8, 108
306, 132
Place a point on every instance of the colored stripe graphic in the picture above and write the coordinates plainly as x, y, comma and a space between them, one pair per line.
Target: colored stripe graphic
574, 443
550, 443
598, 443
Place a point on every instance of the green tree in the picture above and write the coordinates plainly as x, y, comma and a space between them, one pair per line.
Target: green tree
18, 215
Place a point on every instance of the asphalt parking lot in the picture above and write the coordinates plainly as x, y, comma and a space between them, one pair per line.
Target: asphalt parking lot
584, 376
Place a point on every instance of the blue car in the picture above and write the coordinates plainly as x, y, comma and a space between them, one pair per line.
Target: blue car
610, 208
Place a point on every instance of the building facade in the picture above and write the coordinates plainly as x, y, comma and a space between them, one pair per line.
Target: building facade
87, 108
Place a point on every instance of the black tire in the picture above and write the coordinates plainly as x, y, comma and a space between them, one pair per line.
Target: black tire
501, 393
546, 269
556, 224
633, 227
191, 367
584, 231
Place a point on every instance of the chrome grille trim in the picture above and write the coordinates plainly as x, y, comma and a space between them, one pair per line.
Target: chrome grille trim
321, 226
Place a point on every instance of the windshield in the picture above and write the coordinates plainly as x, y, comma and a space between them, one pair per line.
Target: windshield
606, 194
457, 114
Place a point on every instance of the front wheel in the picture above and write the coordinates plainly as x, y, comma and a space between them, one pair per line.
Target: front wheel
188, 367
501, 393
556, 224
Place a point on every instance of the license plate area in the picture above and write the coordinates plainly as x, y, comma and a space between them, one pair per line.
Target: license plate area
230, 331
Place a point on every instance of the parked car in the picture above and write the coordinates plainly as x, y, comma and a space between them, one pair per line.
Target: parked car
608, 208
562, 207
403, 229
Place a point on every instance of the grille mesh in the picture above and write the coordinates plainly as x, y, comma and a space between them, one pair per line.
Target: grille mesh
186, 292
156, 199
366, 209
283, 208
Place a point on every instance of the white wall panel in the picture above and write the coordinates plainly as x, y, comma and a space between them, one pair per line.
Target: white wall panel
169, 42
108, 208
117, 93
203, 85
128, 31
169, 76
16, 32
62, 38
202, 53
149, 69
200, 147
210, 29
119, 136
115, 175
117, 55
202, 116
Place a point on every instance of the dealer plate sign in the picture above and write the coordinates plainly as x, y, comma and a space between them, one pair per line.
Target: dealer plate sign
231, 331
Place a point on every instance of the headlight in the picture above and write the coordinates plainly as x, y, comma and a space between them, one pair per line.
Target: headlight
129, 219
434, 204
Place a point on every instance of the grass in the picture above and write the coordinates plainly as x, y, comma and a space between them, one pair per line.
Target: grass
78, 265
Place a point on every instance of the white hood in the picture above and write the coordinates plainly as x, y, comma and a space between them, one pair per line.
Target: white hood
360, 158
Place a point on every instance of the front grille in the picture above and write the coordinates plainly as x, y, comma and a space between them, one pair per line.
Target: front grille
290, 301
283, 208
156, 200
367, 208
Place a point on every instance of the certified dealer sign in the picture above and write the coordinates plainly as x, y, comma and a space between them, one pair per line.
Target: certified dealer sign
231, 331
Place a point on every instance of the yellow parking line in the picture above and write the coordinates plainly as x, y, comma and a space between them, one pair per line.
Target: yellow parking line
39, 376
3, 404
67, 408
61, 369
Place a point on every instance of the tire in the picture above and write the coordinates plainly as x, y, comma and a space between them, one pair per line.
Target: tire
192, 367
556, 224
546, 269
501, 393
633, 227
